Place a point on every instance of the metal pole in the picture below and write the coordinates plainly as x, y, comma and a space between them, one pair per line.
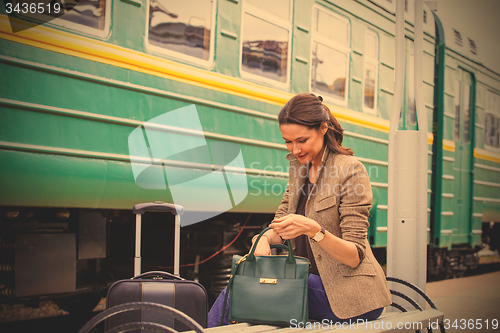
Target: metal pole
423, 147
177, 244
407, 192
137, 258
393, 129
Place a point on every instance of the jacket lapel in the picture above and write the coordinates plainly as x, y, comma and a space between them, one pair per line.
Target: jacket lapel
297, 178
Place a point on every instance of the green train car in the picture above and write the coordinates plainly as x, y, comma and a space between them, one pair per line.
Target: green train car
74, 89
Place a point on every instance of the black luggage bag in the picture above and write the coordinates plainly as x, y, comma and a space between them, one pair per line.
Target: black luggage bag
164, 288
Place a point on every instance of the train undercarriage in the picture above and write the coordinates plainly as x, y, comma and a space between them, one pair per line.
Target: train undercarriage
74, 255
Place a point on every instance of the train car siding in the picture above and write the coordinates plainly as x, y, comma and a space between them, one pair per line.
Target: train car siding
71, 94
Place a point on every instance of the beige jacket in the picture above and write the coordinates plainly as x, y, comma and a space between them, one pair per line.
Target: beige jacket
340, 201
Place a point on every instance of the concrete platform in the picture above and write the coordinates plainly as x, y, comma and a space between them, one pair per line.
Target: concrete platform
468, 302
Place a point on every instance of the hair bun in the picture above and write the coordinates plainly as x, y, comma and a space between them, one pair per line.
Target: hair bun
318, 97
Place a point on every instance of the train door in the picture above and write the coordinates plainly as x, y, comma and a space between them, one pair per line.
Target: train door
463, 132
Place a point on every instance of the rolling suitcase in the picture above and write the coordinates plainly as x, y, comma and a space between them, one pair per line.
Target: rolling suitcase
164, 288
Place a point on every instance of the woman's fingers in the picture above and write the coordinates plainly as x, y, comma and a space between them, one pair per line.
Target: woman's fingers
292, 225
282, 222
285, 227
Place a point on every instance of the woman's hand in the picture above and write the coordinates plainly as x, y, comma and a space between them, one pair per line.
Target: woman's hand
263, 248
293, 225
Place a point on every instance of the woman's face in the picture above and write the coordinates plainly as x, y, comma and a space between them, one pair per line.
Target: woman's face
304, 143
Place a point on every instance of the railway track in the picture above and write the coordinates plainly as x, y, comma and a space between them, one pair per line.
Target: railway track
46, 318
54, 324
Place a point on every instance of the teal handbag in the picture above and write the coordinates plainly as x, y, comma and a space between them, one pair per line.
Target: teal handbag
268, 289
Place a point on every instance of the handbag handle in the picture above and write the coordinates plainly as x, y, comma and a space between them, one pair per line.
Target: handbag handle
279, 246
251, 256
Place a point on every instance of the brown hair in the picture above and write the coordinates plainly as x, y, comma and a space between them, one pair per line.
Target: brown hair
308, 110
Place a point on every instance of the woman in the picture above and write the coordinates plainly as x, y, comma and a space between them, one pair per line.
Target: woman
325, 212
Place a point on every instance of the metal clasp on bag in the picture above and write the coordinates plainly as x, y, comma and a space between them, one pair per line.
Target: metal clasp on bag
237, 263
242, 259
268, 281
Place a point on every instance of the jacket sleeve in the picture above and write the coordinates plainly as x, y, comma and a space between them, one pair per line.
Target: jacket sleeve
355, 202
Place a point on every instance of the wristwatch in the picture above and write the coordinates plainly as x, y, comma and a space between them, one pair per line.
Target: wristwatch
319, 235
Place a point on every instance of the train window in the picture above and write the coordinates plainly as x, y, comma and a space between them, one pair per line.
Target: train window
371, 73
492, 121
467, 113
410, 92
86, 12
182, 28
330, 55
457, 110
492, 129
265, 39
91, 16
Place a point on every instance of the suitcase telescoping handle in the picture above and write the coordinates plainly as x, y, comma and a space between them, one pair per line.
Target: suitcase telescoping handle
157, 206
158, 275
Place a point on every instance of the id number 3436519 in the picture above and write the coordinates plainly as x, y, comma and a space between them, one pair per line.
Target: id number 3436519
33, 8
468, 324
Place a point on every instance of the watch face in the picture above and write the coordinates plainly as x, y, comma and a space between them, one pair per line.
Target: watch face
319, 236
